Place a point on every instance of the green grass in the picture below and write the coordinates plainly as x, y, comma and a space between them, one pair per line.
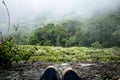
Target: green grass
76, 54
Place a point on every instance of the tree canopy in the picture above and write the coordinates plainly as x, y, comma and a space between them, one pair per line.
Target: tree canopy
99, 31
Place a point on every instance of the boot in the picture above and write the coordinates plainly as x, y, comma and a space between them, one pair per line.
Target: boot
51, 73
70, 74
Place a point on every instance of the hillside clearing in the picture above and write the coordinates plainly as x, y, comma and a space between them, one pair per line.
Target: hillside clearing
75, 54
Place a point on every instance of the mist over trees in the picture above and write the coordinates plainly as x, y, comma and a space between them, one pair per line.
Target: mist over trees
99, 31
65, 23
26, 11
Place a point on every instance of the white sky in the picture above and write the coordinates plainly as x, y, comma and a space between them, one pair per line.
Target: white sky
32, 8
24, 10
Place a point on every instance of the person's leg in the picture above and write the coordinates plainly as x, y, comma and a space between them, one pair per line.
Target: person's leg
70, 74
51, 73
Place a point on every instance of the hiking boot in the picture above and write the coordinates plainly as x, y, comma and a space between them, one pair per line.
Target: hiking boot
70, 74
51, 73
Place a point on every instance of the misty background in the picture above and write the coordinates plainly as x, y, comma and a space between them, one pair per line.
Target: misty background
26, 11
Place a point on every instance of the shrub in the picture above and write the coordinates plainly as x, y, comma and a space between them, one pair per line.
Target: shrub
96, 44
9, 53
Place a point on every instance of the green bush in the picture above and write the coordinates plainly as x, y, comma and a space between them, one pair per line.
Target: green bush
96, 44
9, 53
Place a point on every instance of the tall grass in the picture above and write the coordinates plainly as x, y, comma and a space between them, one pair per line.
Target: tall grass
77, 54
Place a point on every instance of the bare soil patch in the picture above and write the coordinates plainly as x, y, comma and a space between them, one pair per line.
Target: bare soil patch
87, 71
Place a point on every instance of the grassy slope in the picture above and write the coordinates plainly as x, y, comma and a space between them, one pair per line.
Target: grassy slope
60, 54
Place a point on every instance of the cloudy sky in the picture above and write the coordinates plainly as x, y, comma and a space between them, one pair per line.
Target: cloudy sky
25, 10
32, 8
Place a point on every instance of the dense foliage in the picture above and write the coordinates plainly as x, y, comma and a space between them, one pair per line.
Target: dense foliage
10, 52
75, 54
100, 31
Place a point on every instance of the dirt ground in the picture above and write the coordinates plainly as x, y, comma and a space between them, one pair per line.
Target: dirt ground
87, 71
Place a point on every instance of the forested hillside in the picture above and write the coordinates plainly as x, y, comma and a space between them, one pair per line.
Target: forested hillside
98, 31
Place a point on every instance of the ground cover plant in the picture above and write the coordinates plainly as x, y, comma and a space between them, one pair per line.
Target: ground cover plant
75, 54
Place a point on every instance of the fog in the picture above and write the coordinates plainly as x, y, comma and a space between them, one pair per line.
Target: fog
25, 10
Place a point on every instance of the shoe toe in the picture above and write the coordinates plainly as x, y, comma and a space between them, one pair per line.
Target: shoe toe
70, 74
51, 73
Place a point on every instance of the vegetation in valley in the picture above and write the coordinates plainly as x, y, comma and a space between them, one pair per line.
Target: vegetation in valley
94, 39
80, 40
100, 31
